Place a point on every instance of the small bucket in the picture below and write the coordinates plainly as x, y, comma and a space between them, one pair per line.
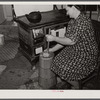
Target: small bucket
1, 39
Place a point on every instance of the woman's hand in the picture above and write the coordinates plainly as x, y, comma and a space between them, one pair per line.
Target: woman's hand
50, 38
50, 50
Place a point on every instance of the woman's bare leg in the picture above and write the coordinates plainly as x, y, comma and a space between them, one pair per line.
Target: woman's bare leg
75, 84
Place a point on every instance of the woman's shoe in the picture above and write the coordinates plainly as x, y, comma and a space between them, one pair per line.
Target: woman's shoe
74, 88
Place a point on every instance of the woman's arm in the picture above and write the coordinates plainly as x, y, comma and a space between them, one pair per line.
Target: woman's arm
61, 40
56, 47
64, 40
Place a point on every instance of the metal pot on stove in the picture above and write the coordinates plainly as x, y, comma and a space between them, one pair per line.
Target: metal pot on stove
34, 17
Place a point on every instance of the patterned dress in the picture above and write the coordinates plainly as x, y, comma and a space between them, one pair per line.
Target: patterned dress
77, 61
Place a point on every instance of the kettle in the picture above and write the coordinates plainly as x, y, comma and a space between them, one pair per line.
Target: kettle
34, 17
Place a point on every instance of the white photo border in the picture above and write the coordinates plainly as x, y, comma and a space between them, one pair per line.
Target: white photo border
50, 94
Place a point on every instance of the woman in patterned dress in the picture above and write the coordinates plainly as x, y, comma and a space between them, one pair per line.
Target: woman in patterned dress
78, 58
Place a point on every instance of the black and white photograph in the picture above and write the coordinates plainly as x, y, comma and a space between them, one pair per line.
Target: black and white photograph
49, 46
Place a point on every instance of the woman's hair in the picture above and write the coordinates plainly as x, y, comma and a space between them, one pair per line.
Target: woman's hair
79, 7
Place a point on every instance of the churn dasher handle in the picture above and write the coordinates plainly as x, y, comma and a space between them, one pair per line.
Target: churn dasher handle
48, 41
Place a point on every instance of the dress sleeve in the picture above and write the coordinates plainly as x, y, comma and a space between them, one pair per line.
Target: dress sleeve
74, 31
